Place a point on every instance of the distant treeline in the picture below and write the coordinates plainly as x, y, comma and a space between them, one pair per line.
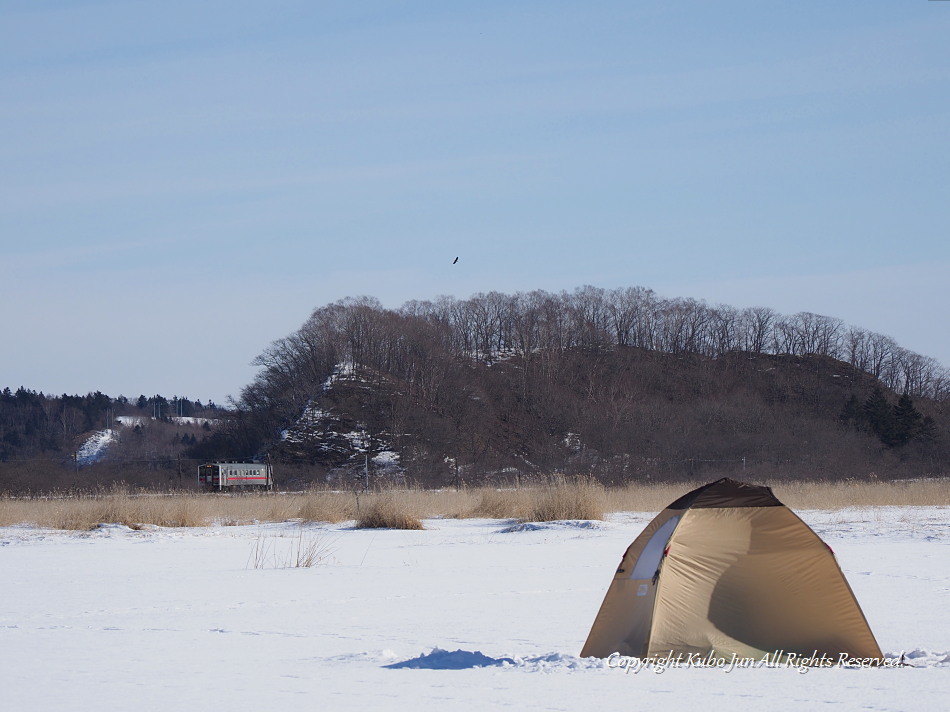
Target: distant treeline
489, 326
34, 424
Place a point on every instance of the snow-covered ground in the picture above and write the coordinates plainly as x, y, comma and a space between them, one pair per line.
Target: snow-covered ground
468, 614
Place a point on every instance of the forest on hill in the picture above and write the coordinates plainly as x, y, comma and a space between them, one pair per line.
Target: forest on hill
620, 384
617, 384
48, 442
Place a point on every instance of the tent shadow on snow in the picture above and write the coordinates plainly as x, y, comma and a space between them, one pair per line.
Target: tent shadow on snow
440, 659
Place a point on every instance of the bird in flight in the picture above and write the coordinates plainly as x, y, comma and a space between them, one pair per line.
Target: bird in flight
455, 260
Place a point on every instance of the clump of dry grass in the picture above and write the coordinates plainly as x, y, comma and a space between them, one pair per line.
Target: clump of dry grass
505, 503
449, 503
304, 550
395, 509
568, 499
317, 506
559, 498
173, 511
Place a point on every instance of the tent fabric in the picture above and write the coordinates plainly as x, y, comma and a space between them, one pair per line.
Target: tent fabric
729, 569
727, 493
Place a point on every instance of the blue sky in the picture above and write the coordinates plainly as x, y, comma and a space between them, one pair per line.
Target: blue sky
181, 183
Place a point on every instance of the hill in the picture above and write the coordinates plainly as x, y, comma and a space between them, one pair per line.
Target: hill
622, 415
621, 385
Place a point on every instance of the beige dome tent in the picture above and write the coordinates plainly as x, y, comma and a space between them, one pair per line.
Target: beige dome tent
728, 569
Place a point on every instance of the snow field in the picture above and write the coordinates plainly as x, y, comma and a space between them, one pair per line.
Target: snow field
482, 615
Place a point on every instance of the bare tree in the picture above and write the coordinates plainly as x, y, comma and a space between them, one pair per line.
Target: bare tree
757, 325
880, 355
725, 330
816, 334
589, 313
856, 341
632, 316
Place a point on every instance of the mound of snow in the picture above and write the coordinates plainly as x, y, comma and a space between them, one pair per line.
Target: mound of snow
546, 526
440, 659
924, 658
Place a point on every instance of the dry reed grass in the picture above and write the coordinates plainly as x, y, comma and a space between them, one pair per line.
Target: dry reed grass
118, 505
506, 503
558, 499
853, 493
301, 551
567, 499
320, 506
394, 509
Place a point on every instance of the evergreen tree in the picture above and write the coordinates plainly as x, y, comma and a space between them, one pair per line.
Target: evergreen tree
907, 421
928, 429
851, 412
880, 417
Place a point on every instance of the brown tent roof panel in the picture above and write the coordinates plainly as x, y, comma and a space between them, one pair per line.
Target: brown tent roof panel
727, 493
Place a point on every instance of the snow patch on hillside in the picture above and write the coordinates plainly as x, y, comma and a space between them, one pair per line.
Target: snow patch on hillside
130, 421
192, 420
94, 449
340, 438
